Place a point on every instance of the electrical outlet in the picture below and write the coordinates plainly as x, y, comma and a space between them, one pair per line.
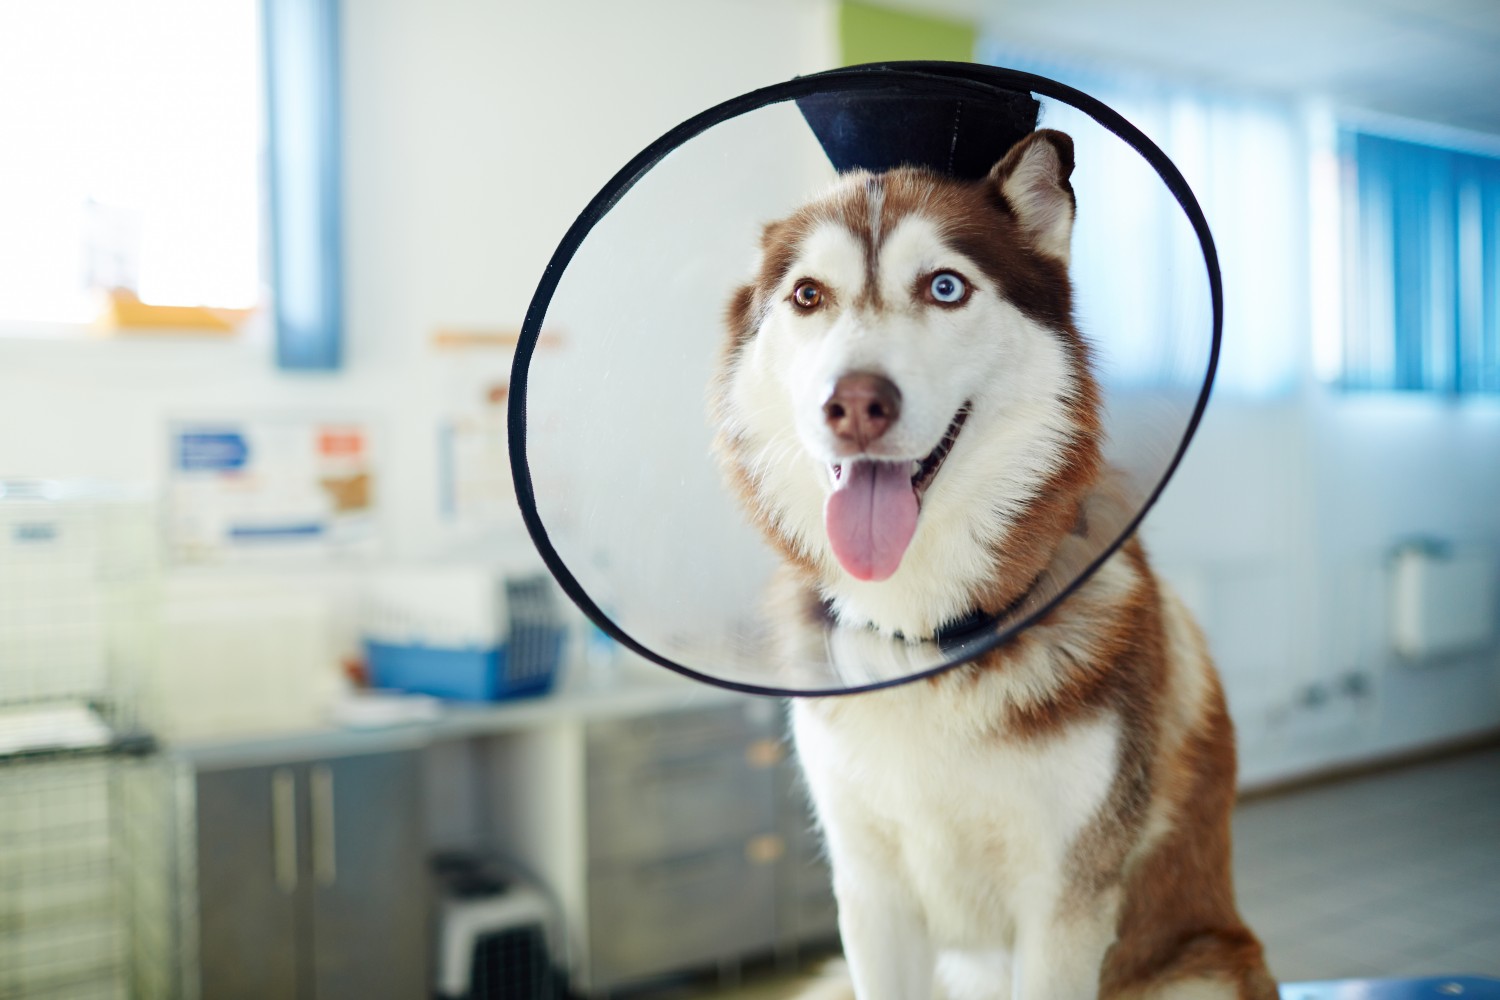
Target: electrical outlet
1355, 684
1327, 707
1314, 697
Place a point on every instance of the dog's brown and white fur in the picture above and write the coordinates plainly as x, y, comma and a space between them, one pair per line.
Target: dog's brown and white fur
1052, 821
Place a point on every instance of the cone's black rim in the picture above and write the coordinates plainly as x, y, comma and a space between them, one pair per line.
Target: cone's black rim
892, 77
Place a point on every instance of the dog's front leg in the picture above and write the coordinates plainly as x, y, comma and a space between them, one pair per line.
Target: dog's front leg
1060, 950
885, 940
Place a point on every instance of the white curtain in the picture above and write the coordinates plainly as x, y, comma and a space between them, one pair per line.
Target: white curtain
1246, 161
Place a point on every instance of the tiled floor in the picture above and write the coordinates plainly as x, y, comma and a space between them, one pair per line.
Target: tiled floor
1396, 874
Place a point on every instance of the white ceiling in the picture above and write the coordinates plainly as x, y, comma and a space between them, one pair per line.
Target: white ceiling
1432, 60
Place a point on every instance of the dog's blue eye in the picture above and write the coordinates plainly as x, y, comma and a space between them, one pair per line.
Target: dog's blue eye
947, 287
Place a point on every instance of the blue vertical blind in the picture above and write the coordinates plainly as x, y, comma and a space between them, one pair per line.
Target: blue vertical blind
303, 101
1422, 267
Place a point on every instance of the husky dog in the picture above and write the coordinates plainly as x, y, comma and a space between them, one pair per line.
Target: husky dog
907, 411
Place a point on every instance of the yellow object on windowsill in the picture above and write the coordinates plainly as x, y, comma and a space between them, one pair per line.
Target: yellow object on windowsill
125, 313
451, 338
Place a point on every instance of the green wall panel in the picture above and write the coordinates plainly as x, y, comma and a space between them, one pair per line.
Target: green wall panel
871, 33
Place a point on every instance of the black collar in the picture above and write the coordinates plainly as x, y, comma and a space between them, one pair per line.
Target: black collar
956, 632
952, 634
978, 623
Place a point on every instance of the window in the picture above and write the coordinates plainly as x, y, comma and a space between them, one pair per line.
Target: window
1239, 155
132, 155
1421, 266
137, 140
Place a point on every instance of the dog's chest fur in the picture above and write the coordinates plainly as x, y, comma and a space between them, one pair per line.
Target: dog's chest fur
917, 776
972, 814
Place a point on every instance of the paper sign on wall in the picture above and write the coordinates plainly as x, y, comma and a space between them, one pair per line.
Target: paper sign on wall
246, 489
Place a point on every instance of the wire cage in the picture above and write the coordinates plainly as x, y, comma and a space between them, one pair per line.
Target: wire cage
60, 932
78, 571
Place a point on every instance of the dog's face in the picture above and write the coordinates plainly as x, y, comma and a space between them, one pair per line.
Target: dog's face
905, 406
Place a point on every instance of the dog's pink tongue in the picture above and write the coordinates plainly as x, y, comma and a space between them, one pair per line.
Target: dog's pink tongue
870, 517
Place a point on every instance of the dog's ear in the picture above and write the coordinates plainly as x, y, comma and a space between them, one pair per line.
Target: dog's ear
739, 317
778, 250
1033, 179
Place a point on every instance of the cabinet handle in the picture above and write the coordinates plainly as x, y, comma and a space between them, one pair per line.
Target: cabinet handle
325, 861
284, 828
761, 754
765, 849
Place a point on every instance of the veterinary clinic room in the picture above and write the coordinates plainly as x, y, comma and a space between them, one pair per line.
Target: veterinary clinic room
749, 500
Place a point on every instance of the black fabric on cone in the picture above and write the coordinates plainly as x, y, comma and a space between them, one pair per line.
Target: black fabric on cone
962, 138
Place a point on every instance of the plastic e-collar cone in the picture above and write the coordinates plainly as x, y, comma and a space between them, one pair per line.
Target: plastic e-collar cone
861, 374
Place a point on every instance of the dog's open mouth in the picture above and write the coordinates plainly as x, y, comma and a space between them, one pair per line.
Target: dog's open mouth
871, 514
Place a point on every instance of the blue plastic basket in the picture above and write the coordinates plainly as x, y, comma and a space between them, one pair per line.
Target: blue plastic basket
465, 674
525, 664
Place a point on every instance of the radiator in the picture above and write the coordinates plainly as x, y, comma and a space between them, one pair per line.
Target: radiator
1444, 600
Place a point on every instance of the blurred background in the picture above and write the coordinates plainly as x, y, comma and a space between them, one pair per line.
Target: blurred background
262, 267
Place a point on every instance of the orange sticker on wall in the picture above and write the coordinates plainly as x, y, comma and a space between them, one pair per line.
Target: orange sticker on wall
341, 442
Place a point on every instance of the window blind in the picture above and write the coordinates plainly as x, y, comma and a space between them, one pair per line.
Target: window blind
1421, 267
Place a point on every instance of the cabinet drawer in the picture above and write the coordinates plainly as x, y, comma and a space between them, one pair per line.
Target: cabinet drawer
617, 746
807, 918
794, 811
678, 913
805, 907
801, 831
669, 807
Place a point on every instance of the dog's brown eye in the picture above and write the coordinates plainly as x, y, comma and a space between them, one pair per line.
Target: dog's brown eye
807, 295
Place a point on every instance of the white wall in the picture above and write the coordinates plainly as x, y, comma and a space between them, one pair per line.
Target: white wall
1279, 523
476, 130
1278, 528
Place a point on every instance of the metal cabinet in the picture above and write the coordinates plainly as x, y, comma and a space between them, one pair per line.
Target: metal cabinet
311, 881
675, 838
682, 841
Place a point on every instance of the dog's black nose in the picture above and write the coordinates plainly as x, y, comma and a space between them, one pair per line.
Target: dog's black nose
861, 407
